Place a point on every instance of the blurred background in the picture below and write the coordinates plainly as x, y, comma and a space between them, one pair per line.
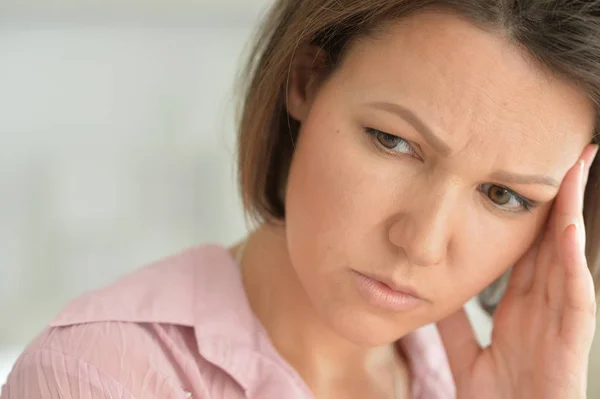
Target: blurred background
116, 122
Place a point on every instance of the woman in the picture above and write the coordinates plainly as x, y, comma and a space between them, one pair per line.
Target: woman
398, 156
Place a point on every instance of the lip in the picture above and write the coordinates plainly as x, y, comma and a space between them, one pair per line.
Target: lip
386, 294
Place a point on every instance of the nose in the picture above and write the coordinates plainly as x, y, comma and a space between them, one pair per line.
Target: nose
423, 230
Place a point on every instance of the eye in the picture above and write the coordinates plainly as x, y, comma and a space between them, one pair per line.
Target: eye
392, 143
506, 198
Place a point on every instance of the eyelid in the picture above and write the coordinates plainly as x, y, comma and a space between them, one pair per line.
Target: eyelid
529, 201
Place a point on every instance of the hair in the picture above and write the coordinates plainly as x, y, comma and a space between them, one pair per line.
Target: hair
562, 36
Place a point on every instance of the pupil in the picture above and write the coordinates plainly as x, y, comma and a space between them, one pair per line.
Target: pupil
499, 195
387, 140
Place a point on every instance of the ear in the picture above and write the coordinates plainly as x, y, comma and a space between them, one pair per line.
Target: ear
307, 72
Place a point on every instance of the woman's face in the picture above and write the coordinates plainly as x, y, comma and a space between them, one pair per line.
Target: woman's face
429, 160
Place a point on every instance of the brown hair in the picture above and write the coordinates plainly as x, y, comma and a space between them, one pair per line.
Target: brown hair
563, 36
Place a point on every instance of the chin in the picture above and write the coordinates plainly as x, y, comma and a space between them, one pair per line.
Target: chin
366, 329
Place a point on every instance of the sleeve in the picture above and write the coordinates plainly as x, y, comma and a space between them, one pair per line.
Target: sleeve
93, 361
50, 375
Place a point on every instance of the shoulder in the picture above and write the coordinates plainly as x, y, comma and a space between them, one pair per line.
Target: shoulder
160, 292
134, 337
94, 360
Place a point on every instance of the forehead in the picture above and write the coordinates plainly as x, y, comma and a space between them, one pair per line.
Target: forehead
470, 85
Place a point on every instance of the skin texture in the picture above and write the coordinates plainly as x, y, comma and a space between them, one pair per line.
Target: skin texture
421, 213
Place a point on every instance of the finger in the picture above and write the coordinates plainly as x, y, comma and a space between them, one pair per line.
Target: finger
556, 291
568, 206
567, 209
459, 340
588, 156
569, 202
579, 311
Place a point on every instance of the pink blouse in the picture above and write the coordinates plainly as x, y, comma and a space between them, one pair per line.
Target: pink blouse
181, 328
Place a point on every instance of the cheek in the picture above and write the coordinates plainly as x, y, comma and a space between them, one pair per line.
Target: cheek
335, 195
488, 245
483, 250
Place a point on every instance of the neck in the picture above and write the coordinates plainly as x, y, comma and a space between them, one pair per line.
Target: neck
320, 355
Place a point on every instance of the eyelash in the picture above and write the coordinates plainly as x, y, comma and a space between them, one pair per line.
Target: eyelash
525, 204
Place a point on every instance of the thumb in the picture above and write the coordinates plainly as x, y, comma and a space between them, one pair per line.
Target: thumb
459, 340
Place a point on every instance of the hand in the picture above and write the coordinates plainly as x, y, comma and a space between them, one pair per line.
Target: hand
544, 325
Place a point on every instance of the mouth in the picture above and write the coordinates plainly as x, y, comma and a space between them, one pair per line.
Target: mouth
386, 294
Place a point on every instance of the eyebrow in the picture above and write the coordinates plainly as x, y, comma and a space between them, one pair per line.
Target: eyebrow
443, 148
516, 178
409, 116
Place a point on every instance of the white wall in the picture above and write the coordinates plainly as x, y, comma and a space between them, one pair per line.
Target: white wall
117, 149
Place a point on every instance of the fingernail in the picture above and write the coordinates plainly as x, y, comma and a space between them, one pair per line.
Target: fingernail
587, 170
583, 182
595, 153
